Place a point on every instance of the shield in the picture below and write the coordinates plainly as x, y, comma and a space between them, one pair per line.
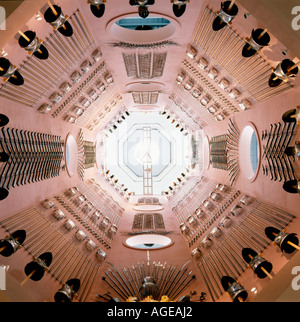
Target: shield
12, 242
255, 43
3, 193
287, 116
33, 45
98, 11
236, 291
143, 12
4, 157
256, 262
282, 239
67, 292
4, 120
291, 186
38, 266
9, 72
225, 15
282, 73
246, 252
58, 21
4, 64
17, 79
179, 10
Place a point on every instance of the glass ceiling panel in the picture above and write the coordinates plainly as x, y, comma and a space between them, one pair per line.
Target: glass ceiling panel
170, 151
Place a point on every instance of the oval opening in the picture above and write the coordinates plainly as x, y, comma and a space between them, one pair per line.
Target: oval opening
148, 241
128, 28
142, 24
249, 152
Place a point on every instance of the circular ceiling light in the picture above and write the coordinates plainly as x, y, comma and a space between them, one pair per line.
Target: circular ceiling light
146, 208
148, 241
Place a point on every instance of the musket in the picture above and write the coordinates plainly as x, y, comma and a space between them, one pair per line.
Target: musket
270, 135
206, 283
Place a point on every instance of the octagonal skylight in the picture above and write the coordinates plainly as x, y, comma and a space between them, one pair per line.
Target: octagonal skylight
135, 149
146, 138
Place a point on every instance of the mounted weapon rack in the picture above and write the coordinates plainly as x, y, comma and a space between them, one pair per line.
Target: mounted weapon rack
148, 282
86, 154
89, 154
277, 164
44, 234
233, 137
225, 152
224, 48
40, 76
31, 157
218, 239
85, 206
218, 152
143, 222
187, 200
200, 213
